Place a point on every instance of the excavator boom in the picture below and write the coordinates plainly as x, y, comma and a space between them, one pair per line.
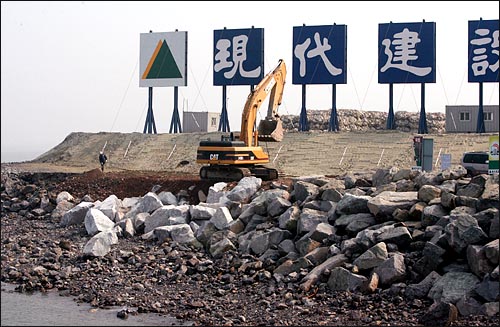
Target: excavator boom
270, 128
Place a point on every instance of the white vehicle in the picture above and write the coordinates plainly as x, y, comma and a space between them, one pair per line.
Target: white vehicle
475, 162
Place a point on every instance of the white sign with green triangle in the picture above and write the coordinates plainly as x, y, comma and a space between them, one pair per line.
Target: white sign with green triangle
163, 59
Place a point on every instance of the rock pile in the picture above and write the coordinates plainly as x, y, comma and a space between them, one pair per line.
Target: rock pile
360, 120
418, 236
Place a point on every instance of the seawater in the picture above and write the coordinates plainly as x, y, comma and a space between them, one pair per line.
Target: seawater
52, 309
19, 156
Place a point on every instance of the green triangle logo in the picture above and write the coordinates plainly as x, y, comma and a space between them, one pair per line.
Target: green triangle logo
162, 65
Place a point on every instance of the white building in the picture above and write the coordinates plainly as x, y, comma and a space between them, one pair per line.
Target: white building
463, 119
200, 121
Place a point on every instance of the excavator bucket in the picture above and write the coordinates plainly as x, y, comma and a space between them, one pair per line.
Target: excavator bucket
270, 130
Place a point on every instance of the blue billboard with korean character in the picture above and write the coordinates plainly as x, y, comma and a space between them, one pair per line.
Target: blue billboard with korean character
319, 54
238, 56
483, 51
407, 53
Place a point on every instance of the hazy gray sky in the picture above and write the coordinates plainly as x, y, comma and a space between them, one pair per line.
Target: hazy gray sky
73, 66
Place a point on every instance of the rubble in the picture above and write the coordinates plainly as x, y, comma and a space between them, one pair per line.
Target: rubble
364, 120
404, 246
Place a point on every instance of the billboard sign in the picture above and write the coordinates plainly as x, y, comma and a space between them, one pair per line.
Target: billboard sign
319, 54
483, 51
163, 59
407, 53
238, 56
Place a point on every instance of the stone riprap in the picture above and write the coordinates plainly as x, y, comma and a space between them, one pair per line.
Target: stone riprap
397, 241
361, 120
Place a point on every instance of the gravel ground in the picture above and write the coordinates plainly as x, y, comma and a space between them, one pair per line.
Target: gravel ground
172, 279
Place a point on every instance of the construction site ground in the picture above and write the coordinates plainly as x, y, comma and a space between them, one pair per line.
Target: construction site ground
299, 154
139, 163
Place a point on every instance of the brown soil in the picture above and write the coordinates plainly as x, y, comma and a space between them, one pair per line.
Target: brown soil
133, 183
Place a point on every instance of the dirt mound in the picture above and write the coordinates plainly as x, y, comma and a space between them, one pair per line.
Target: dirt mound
127, 184
93, 174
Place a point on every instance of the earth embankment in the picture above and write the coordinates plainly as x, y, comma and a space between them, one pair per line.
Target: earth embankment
300, 153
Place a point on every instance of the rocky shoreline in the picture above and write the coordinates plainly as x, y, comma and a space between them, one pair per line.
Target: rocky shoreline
383, 248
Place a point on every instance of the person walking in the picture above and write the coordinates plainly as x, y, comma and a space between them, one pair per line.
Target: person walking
102, 159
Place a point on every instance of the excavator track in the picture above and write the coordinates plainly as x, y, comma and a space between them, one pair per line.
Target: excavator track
226, 173
265, 173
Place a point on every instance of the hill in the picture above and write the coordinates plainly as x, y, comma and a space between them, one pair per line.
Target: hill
300, 153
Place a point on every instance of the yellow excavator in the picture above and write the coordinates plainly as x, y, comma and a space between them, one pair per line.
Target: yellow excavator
235, 157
